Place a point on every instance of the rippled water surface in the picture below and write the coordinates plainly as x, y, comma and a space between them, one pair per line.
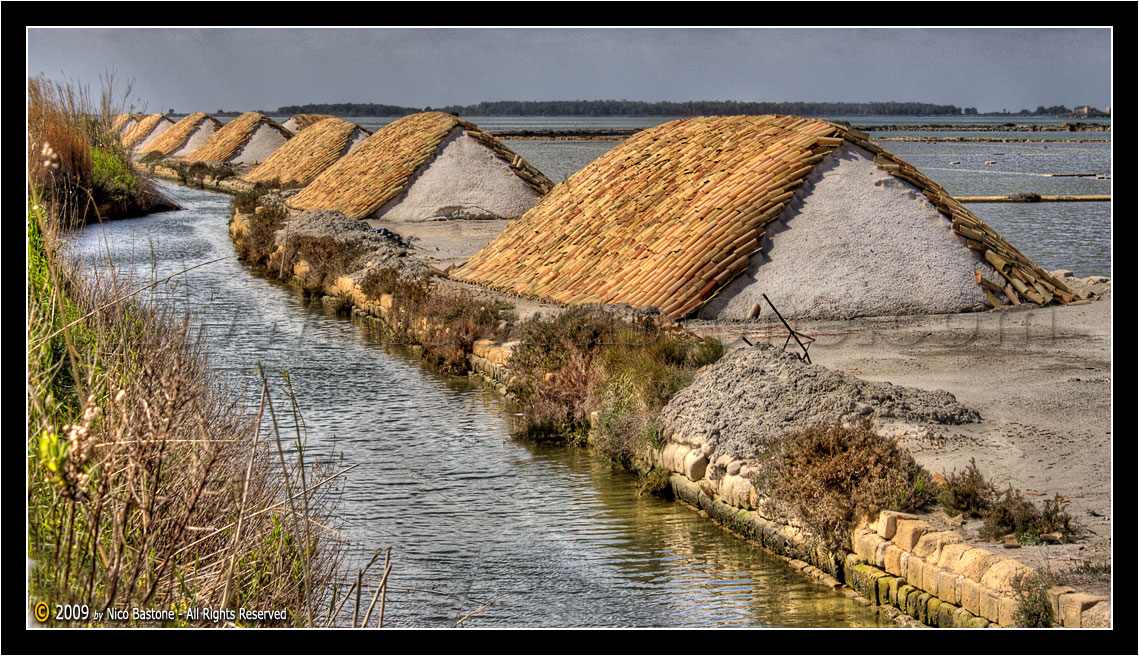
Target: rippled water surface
553, 536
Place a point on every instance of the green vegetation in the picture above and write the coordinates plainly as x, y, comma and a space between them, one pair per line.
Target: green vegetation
148, 484
967, 493
1012, 513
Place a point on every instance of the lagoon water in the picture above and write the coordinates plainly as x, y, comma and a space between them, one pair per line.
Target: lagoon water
548, 536
553, 537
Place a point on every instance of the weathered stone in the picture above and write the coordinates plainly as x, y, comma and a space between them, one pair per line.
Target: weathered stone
862, 577
1054, 593
923, 607
734, 467
880, 554
951, 554
914, 571
929, 578
961, 618
971, 595
736, 491
1096, 617
866, 544
1001, 575
989, 603
1006, 611
893, 560
929, 546
887, 522
695, 464
945, 614
1072, 606
947, 586
908, 532
912, 601
707, 486
884, 589
978, 623
902, 595
975, 562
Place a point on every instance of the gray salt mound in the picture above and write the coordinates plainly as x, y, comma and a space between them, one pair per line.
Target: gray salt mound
856, 242
752, 396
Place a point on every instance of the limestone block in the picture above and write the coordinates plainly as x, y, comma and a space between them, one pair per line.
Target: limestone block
961, 618
923, 607
893, 558
884, 589
902, 596
880, 553
971, 595
888, 522
1096, 617
929, 574
1000, 576
736, 491
975, 562
914, 571
866, 544
1006, 610
734, 467
1054, 593
989, 604
908, 532
929, 545
947, 586
978, 623
695, 465
1072, 606
945, 613
950, 554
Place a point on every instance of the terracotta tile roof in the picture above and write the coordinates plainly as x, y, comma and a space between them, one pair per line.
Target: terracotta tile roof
379, 169
227, 142
178, 134
142, 129
670, 216
308, 154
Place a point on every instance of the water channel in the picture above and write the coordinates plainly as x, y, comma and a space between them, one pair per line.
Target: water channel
554, 536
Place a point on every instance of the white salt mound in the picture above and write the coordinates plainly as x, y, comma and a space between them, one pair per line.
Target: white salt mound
856, 242
463, 181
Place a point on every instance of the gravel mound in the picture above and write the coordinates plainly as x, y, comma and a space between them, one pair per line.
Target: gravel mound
752, 396
380, 248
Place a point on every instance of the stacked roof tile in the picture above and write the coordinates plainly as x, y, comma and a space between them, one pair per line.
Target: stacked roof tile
670, 216
176, 136
227, 142
308, 154
380, 168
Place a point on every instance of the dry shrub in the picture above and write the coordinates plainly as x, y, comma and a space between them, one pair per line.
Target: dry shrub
327, 258
967, 493
257, 243
1012, 514
835, 475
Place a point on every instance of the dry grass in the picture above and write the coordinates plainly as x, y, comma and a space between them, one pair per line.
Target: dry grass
149, 485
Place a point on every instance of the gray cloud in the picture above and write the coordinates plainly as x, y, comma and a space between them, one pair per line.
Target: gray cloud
241, 69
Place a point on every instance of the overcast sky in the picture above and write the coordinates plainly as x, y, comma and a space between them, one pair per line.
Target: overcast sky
246, 69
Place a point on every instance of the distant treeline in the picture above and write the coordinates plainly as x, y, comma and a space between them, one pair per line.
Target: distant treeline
349, 109
639, 108
666, 108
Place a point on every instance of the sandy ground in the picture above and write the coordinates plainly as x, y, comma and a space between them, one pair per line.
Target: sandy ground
1040, 378
443, 243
